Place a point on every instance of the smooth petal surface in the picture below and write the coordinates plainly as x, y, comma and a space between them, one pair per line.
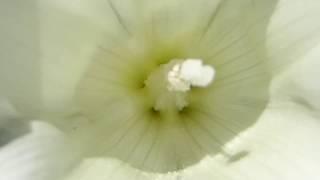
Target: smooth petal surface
299, 84
19, 54
293, 31
46, 45
29, 149
280, 146
70, 33
32, 156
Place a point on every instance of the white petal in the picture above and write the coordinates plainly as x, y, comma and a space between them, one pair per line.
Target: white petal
232, 14
99, 168
299, 83
282, 145
64, 26
19, 54
293, 31
32, 156
69, 36
47, 44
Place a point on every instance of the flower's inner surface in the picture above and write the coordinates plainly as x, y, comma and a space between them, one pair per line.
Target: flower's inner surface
161, 111
146, 103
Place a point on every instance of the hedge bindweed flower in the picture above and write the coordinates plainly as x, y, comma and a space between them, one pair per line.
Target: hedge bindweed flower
171, 89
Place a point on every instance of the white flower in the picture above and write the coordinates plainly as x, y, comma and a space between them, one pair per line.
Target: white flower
100, 89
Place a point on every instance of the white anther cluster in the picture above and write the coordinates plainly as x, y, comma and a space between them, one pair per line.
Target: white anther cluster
188, 73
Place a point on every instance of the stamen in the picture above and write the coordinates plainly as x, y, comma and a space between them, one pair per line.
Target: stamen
190, 72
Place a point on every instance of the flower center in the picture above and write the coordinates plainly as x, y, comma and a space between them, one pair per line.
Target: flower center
171, 82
